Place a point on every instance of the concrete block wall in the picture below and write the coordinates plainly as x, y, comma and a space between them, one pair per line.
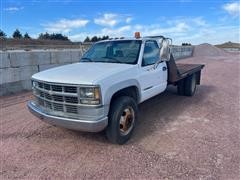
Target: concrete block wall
180, 52
17, 67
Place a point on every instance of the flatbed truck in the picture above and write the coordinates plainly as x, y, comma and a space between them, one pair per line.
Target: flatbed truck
103, 90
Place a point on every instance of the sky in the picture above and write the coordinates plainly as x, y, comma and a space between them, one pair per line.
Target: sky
191, 21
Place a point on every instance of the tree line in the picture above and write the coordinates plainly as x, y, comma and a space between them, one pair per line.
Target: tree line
186, 44
95, 38
46, 36
18, 35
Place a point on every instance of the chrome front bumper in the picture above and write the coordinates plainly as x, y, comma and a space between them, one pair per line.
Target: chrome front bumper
88, 125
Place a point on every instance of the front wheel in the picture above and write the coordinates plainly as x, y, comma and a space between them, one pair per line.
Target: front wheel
122, 119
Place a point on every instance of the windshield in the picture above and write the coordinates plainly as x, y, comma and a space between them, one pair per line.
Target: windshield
121, 51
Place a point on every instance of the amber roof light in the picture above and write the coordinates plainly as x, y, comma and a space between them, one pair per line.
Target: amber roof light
137, 35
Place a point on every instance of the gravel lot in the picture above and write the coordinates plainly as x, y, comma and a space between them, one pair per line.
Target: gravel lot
176, 138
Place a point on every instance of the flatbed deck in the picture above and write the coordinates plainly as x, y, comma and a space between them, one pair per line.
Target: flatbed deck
188, 68
178, 71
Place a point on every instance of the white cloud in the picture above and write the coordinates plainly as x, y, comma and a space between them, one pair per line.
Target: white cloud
232, 8
122, 31
107, 19
179, 29
112, 19
156, 29
13, 9
65, 25
80, 36
116, 32
216, 34
199, 21
129, 19
194, 30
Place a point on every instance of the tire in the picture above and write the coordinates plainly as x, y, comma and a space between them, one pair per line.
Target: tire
180, 87
122, 120
190, 85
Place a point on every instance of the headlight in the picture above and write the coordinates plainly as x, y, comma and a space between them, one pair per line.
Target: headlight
90, 95
34, 88
34, 83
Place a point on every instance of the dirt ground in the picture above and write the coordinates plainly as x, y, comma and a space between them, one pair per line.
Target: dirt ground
176, 138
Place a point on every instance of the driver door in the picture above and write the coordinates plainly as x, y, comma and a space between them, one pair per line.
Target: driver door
153, 77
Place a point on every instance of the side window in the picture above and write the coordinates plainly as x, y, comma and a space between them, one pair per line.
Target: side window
151, 53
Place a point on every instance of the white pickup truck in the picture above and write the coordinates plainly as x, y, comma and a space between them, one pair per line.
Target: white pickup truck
103, 90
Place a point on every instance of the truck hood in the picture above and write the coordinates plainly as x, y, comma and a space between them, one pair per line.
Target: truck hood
81, 73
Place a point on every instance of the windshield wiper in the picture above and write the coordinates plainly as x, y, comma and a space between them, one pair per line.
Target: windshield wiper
86, 58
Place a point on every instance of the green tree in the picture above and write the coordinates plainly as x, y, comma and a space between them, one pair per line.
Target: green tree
94, 39
26, 36
186, 44
44, 36
87, 39
17, 34
59, 37
40, 36
53, 36
105, 37
2, 34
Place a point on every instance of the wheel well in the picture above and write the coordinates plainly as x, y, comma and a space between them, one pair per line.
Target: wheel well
131, 91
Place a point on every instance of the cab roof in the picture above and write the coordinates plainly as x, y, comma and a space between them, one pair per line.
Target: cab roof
128, 38
140, 38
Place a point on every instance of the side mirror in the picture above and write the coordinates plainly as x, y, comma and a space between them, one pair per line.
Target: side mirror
165, 51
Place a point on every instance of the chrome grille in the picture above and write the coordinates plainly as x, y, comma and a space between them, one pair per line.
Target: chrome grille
70, 89
56, 98
48, 105
73, 100
71, 109
57, 88
58, 107
46, 86
47, 96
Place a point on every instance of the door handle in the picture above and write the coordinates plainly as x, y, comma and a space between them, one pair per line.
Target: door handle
164, 68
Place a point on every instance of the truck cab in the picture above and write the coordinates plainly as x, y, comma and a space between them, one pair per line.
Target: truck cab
103, 90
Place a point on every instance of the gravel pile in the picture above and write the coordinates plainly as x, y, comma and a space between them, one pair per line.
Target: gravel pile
208, 50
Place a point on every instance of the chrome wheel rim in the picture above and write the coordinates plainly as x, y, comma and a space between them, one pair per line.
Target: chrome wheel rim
126, 121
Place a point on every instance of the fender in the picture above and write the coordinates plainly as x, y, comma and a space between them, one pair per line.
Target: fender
117, 87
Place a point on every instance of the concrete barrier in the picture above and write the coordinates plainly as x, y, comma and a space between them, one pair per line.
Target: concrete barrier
180, 52
17, 67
